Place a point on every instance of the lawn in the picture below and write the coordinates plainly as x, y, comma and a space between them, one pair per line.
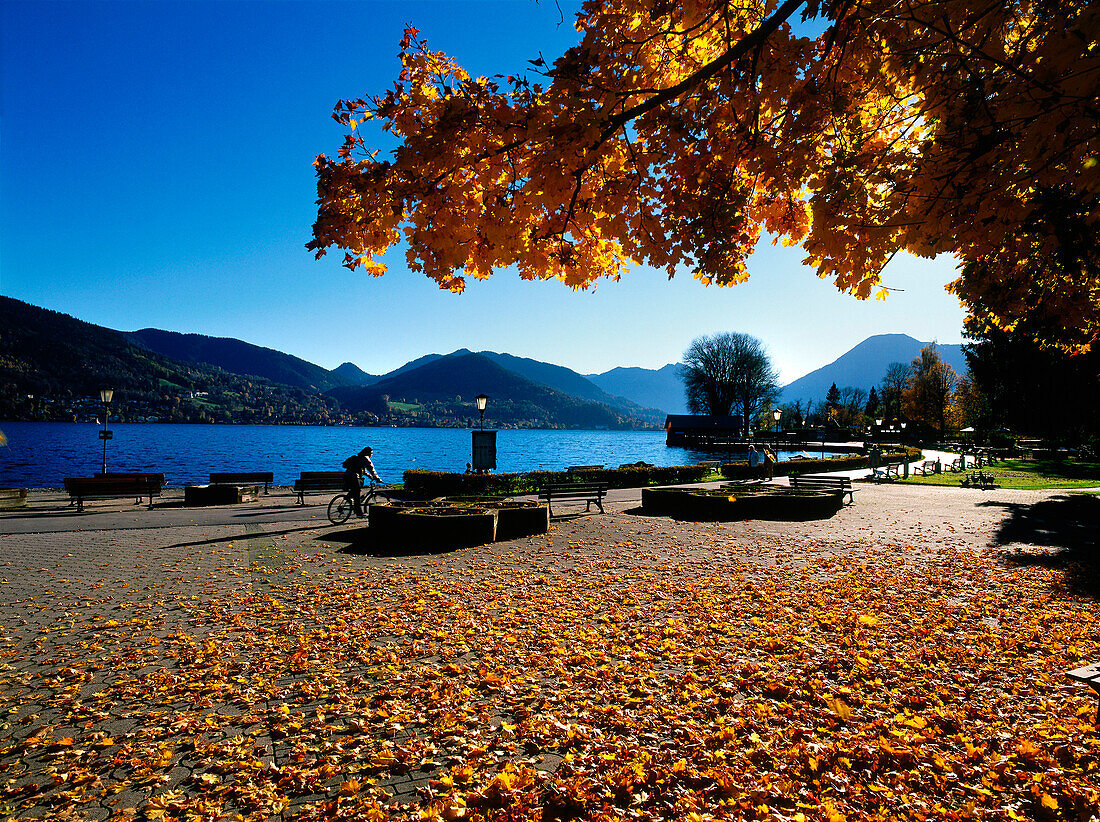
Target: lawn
1028, 474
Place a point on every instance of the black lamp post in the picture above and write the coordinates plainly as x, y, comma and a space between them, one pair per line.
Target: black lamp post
481, 401
776, 414
105, 397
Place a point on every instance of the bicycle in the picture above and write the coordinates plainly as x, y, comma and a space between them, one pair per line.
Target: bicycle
341, 506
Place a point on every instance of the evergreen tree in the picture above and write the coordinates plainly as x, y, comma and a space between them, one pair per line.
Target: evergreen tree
871, 409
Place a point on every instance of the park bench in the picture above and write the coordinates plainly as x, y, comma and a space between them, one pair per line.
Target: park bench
112, 486
957, 465
1088, 675
885, 473
823, 482
978, 479
156, 479
927, 468
318, 481
243, 478
586, 492
711, 465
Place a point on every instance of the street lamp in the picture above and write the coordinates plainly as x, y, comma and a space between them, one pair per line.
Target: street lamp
105, 397
776, 414
481, 401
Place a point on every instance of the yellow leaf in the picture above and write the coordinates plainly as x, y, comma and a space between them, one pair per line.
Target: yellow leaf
840, 708
1050, 802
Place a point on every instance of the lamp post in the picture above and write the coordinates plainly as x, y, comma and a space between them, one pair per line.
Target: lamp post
105, 397
481, 401
776, 414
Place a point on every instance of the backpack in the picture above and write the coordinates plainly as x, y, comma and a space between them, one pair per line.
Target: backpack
352, 463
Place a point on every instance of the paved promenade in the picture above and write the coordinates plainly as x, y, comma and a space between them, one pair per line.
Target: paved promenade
106, 612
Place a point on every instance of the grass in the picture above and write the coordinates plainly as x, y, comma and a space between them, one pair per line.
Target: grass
1028, 475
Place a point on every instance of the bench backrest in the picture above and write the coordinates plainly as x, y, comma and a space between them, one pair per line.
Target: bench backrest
817, 479
318, 475
111, 486
319, 483
575, 487
125, 475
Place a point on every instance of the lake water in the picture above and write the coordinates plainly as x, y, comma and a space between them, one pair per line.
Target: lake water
41, 454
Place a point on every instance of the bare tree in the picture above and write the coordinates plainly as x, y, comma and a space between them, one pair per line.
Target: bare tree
729, 373
850, 405
893, 385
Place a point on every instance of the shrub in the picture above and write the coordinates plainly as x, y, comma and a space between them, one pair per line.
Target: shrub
432, 484
847, 462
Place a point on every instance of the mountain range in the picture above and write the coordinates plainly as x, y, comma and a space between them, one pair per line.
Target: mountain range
48, 355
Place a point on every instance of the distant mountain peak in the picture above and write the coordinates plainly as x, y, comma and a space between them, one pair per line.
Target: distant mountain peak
865, 364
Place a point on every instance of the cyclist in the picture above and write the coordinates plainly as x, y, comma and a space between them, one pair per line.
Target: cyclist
354, 469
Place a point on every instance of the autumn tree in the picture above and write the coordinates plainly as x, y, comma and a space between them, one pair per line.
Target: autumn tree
677, 134
1015, 384
929, 390
728, 374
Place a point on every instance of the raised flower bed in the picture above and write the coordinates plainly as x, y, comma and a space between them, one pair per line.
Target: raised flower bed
458, 520
433, 524
724, 505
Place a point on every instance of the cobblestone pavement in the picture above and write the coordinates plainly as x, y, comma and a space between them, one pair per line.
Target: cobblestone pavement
76, 588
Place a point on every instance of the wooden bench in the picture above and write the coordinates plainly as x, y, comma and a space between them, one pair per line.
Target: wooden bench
243, 478
824, 482
927, 468
318, 481
586, 492
109, 487
957, 465
1088, 675
978, 479
156, 479
885, 473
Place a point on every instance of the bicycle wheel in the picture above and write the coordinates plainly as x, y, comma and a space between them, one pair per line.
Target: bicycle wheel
339, 509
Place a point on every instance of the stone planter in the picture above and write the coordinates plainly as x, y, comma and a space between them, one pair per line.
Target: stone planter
11, 498
522, 519
198, 495
726, 505
432, 526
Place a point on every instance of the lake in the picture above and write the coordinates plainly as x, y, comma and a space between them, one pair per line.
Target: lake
42, 454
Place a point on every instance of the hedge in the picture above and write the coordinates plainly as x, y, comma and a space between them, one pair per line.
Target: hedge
848, 462
431, 484
421, 484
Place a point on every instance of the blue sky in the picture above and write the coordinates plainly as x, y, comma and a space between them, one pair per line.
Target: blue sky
155, 171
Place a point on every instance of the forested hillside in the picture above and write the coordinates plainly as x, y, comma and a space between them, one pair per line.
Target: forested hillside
52, 367
238, 357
